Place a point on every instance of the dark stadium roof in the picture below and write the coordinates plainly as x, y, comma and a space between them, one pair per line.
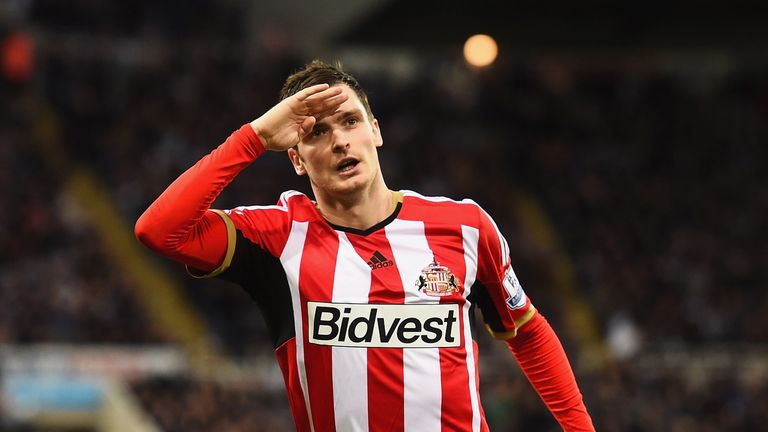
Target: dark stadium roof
587, 24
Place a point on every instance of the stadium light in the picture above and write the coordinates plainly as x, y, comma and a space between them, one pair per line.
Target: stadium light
480, 50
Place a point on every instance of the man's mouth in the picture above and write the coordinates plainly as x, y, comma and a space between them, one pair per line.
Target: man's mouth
347, 164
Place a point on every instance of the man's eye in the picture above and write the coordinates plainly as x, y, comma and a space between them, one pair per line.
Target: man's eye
351, 121
317, 132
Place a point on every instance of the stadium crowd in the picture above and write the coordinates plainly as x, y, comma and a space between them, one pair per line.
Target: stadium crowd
652, 175
59, 284
181, 404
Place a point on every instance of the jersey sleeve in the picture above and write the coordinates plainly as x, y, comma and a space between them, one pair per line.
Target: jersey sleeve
500, 296
179, 223
510, 315
255, 235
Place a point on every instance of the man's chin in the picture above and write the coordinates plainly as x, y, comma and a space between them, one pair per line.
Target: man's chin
342, 186
349, 185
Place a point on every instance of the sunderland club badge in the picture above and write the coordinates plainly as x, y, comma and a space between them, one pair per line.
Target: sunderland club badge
437, 281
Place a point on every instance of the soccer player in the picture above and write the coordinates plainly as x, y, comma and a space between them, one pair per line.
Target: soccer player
368, 293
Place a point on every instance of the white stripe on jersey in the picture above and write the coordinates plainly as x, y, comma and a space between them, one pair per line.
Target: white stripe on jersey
471, 237
351, 284
257, 207
285, 196
291, 260
421, 367
502, 241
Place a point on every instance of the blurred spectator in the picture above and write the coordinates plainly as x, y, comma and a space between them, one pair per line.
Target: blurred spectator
58, 284
181, 405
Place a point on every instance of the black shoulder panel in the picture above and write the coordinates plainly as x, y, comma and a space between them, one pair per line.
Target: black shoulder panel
262, 276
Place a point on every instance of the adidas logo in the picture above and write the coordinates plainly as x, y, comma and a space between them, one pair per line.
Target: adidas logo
378, 260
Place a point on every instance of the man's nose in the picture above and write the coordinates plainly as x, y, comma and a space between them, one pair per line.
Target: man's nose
340, 139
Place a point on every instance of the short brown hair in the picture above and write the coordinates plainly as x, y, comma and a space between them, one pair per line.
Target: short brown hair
319, 72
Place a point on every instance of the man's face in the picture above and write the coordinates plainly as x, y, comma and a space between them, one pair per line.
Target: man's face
339, 155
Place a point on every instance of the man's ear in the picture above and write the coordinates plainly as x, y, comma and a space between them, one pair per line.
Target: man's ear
297, 161
377, 139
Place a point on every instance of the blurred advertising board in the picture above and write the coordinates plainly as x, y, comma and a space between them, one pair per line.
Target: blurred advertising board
41, 379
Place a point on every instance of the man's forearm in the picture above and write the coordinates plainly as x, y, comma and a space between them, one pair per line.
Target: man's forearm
179, 213
545, 364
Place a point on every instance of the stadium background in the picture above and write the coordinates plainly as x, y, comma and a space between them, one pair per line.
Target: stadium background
621, 149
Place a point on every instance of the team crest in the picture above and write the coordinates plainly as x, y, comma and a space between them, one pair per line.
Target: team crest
437, 281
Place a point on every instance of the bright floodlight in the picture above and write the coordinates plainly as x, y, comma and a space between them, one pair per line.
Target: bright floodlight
480, 50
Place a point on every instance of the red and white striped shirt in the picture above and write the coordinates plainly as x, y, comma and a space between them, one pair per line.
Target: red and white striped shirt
376, 333
372, 329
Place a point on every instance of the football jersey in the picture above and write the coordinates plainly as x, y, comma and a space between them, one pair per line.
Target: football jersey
373, 329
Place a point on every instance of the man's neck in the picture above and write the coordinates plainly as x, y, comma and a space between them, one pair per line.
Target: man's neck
361, 210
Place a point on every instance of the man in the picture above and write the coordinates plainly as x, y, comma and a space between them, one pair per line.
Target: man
368, 293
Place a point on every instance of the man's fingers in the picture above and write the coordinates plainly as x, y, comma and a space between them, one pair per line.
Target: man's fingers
307, 125
322, 95
324, 106
315, 91
319, 101
309, 91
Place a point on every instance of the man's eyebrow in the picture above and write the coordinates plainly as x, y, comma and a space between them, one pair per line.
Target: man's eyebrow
349, 113
339, 116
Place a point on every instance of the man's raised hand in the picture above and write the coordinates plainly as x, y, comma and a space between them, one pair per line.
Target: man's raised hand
286, 123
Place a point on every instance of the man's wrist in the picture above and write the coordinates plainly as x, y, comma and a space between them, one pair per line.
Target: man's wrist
258, 130
252, 140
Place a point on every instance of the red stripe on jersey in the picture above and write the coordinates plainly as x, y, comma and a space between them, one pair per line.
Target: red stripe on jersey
320, 251
266, 226
385, 365
456, 403
286, 358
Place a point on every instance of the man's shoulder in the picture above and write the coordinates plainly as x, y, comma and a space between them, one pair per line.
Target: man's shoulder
292, 205
464, 211
287, 200
437, 201
294, 198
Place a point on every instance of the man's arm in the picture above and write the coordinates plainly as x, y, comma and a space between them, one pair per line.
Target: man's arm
545, 364
510, 315
178, 224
